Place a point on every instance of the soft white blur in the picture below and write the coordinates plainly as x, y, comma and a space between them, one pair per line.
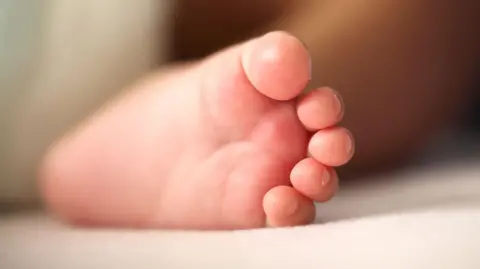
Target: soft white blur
59, 60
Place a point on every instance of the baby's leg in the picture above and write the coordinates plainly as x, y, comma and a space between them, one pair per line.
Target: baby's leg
220, 144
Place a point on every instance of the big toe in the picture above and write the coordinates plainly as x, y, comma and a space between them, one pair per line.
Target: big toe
277, 65
242, 83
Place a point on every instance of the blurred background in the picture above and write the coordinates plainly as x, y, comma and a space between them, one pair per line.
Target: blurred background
407, 69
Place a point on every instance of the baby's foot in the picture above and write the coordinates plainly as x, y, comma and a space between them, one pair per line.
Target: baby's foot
218, 145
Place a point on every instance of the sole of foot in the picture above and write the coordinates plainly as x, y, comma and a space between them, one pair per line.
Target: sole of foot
229, 142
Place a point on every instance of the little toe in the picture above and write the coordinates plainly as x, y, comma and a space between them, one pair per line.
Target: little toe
332, 147
284, 206
314, 180
277, 65
320, 108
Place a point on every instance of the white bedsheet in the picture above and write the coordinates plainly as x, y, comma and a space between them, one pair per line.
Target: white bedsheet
424, 220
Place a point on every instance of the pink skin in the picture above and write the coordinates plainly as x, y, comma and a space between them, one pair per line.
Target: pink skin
221, 144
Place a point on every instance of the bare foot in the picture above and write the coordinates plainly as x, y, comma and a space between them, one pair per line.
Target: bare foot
219, 145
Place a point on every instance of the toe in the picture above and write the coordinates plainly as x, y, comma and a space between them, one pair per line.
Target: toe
332, 147
320, 109
284, 206
277, 65
314, 180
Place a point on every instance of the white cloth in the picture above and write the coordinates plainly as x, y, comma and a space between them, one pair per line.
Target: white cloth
60, 60
415, 220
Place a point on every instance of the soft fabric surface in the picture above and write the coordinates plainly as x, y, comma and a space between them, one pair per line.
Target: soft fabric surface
436, 239
59, 61
416, 220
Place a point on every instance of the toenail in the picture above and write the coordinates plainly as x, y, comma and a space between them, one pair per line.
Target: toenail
349, 146
292, 207
338, 103
326, 178
310, 62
